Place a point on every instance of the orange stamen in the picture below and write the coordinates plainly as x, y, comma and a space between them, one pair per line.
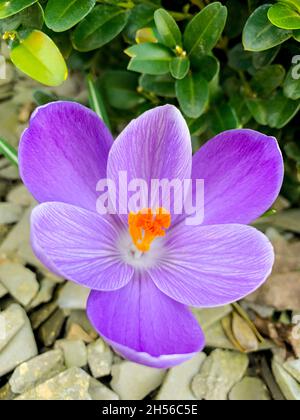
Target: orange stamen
145, 226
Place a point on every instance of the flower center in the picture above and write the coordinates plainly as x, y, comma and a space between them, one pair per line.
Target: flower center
145, 226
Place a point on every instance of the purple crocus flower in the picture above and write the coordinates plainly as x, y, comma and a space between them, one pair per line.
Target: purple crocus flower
139, 301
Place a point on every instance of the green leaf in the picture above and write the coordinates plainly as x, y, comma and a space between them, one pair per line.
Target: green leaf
141, 16
192, 93
275, 112
291, 87
149, 58
239, 59
96, 101
259, 34
295, 4
11, 7
33, 17
63, 15
42, 98
296, 35
179, 67
267, 79
284, 16
158, 85
167, 28
204, 30
102, 25
222, 118
264, 58
238, 103
120, 89
9, 152
207, 65
37, 56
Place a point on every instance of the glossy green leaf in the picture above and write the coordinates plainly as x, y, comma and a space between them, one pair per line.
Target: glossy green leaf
33, 17
267, 79
239, 59
284, 16
222, 118
179, 67
258, 109
204, 30
260, 34
11, 7
295, 4
291, 87
37, 56
102, 25
120, 89
9, 152
42, 98
167, 28
264, 58
149, 58
192, 93
96, 101
141, 16
158, 85
281, 110
63, 15
207, 65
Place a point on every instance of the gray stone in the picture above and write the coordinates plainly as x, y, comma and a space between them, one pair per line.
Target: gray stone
293, 368
11, 321
20, 348
26, 255
20, 195
10, 213
10, 172
80, 318
216, 337
133, 382
3, 291
288, 385
45, 293
19, 281
100, 358
219, 373
19, 234
71, 385
177, 383
249, 389
100, 392
50, 330
37, 370
74, 351
73, 296
42, 314
208, 317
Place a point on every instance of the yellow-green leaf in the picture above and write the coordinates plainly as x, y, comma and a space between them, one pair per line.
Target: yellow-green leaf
37, 56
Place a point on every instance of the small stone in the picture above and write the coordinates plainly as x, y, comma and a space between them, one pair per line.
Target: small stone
73, 296
76, 332
293, 368
219, 373
19, 349
71, 385
6, 393
79, 317
11, 321
19, 234
100, 392
100, 358
208, 317
74, 351
244, 334
177, 383
216, 337
132, 381
19, 281
45, 293
42, 314
289, 387
3, 291
37, 370
10, 213
25, 253
249, 389
10, 173
20, 195
51, 329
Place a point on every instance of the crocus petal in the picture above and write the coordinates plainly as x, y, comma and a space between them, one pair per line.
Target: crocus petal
213, 265
80, 245
243, 173
144, 325
63, 154
155, 146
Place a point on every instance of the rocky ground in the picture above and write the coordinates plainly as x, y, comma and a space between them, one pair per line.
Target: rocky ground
50, 350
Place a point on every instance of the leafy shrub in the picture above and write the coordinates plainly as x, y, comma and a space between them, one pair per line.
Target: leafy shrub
226, 64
